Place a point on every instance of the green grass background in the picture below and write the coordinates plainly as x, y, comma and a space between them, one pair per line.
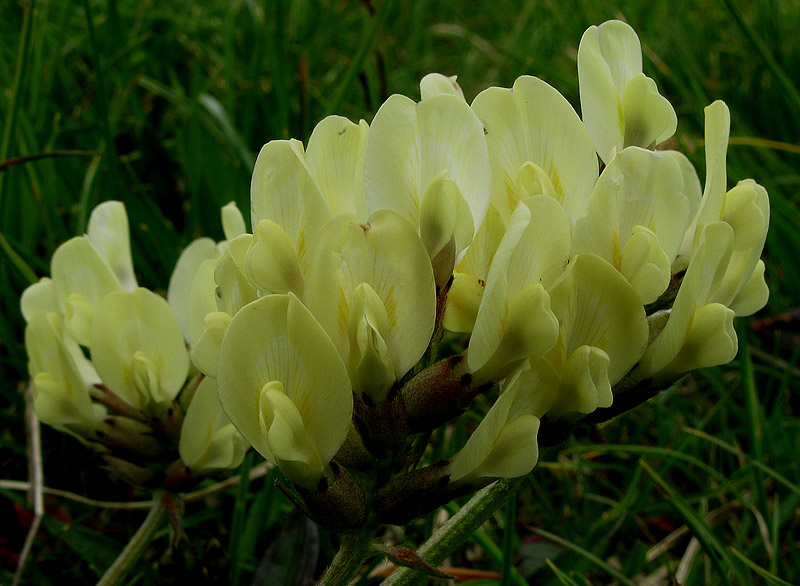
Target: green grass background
179, 96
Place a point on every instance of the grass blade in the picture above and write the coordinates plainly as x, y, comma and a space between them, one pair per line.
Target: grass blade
220, 116
509, 533
17, 261
755, 429
105, 111
774, 474
494, 553
768, 576
562, 577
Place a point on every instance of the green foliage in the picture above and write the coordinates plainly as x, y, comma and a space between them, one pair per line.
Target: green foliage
702, 482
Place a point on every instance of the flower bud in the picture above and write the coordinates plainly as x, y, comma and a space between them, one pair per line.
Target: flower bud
142, 476
383, 426
439, 393
129, 438
414, 494
339, 505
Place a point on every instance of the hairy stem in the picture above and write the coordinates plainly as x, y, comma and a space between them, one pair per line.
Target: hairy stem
353, 551
457, 529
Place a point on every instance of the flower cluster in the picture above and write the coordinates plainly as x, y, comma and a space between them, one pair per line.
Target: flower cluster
574, 282
134, 399
493, 219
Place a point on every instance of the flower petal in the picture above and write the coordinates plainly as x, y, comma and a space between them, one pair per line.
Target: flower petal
434, 84
208, 439
597, 307
534, 123
234, 290
335, 159
205, 351
717, 133
704, 274
284, 191
649, 117
504, 445
38, 298
585, 385
61, 377
179, 292
232, 221
754, 293
109, 234
469, 279
138, 349
271, 261
288, 439
534, 250
78, 269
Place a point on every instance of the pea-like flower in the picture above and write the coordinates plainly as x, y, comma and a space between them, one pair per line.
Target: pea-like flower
138, 349
84, 270
285, 387
621, 106
514, 320
428, 162
637, 217
371, 286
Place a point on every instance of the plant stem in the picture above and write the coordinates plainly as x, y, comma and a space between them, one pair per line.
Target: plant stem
353, 550
457, 529
136, 546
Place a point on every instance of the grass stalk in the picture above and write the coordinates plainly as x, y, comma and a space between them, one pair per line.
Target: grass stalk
792, 94
509, 535
104, 105
358, 61
16, 89
239, 518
